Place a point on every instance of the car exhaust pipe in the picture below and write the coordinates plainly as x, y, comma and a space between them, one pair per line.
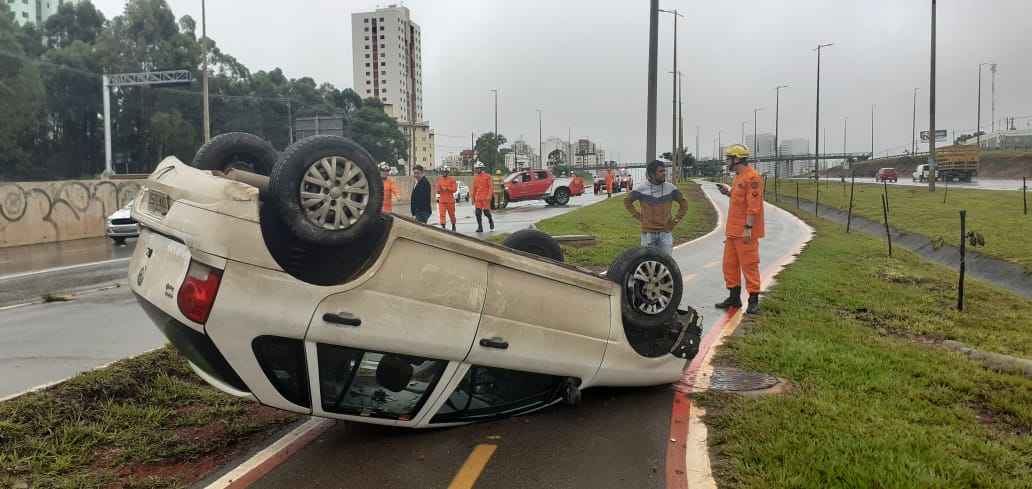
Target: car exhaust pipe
261, 182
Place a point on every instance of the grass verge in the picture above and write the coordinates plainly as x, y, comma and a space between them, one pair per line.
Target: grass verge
145, 422
617, 231
997, 214
875, 403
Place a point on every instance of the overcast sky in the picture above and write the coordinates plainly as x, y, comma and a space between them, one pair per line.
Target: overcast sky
584, 63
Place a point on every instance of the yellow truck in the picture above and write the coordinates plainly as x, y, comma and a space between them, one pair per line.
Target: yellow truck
957, 163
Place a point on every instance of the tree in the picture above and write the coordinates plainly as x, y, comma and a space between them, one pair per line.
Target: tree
171, 135
487, 151
74, 22
556, 157
21, 93
378, 133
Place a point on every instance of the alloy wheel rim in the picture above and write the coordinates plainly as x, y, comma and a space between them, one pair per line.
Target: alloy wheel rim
334, 193
654, 284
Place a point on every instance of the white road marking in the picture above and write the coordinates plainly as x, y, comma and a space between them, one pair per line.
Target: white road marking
276, 449
61, 269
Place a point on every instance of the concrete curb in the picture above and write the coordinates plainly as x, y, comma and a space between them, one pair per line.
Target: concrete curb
993, 361
261, 463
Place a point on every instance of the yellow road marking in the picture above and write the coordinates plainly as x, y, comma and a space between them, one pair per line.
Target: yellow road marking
470, 471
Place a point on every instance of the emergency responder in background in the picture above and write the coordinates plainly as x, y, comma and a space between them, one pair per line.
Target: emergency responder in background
655, 197
609, 183
421, 204
743, 231
446, 187
390, 190
482, 197
498, 188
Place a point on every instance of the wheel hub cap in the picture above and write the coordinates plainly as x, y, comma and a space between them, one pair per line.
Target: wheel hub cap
334, 193
654, 285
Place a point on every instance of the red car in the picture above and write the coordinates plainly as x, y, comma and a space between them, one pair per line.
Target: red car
886, 175
541, 185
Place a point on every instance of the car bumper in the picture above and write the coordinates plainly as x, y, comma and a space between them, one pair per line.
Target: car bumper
122, 230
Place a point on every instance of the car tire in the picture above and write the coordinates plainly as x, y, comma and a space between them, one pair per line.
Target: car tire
647, 305
562, 196
239, 150
303, 171
536, 243
119, 241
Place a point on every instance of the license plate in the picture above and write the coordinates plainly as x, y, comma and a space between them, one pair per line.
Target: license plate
158, 203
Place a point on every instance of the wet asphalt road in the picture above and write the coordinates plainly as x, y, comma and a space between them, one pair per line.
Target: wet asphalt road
616, 438
48, 342
979, 183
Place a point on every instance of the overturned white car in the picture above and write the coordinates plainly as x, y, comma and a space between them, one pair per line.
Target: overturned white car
295, 290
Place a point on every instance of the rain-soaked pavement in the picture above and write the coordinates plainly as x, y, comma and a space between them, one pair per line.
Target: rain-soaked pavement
48, 342
979, 183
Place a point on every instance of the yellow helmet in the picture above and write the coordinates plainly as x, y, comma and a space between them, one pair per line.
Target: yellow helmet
737, 151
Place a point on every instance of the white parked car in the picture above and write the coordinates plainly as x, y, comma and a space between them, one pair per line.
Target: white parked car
121, 225
296, 291
461, 193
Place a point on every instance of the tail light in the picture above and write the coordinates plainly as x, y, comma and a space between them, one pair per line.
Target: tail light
197, 294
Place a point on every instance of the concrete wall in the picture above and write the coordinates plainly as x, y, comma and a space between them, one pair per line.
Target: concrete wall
41, 212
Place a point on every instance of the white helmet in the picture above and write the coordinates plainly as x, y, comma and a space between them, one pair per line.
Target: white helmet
384, 166
478, 165
445, 169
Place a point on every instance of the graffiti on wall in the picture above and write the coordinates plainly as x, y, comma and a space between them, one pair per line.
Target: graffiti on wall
54, 211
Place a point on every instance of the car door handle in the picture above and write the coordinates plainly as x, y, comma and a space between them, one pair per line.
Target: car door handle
494, 343
342, 318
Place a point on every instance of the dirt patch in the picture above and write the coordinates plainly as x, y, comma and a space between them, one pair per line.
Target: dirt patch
997, 421
885, 324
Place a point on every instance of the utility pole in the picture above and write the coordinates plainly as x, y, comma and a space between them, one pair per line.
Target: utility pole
931, 112
697, 155
743, 133
777, 113
913, 128
673, 106
872, 131
992, 68
569, 146
680, 128
496, 143
756, 149
845, 124
817, 124
978, 113
204, 74
541, 157
650, 124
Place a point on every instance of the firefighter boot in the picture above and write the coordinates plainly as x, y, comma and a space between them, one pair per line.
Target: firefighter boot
734, 299
453, 226
754, 304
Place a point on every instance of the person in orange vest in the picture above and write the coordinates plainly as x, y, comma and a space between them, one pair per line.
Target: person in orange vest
390, 189
743, 231
482, 197
446, 187
609, 183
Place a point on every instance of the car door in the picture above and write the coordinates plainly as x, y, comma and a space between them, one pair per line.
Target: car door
381, 351
541, 182
536, 324
520, 187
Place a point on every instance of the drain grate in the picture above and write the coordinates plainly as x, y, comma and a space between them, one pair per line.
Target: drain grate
730, 379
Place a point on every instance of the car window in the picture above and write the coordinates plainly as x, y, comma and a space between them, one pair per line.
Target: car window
512, 177
375, 384
486, 392
525, 177
541, 174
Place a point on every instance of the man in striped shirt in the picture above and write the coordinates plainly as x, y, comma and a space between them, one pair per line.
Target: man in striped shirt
655, 198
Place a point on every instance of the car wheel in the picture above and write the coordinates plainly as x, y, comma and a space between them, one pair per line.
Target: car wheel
650, 286
239, 150
327, 190
119, 241
562, 196
536, 243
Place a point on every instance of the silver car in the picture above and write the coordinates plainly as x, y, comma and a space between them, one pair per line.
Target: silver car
121, 225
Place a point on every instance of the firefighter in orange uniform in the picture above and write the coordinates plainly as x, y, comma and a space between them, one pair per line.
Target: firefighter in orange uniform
390, 189
482, 196
609, 183
446, 187
743, 231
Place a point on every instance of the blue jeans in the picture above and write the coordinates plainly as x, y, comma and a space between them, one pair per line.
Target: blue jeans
661, 240
422, 217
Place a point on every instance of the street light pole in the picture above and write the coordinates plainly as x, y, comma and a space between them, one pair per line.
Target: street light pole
872, 131
743, 133
777, 114
673, 105
204, 74
650, 123
496, 143
913, 128
541, 157
992, 69
817, 124
756, 145
845, 124
931, 112
978, 127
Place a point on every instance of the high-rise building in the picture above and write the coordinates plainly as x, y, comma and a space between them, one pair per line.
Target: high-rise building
763, 146
387, 62
35, 11
388, 66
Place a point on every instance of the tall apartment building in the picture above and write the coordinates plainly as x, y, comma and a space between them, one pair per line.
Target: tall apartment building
34, 11
388, 66
763, 146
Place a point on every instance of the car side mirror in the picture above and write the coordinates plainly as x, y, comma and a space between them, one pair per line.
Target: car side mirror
393, 373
